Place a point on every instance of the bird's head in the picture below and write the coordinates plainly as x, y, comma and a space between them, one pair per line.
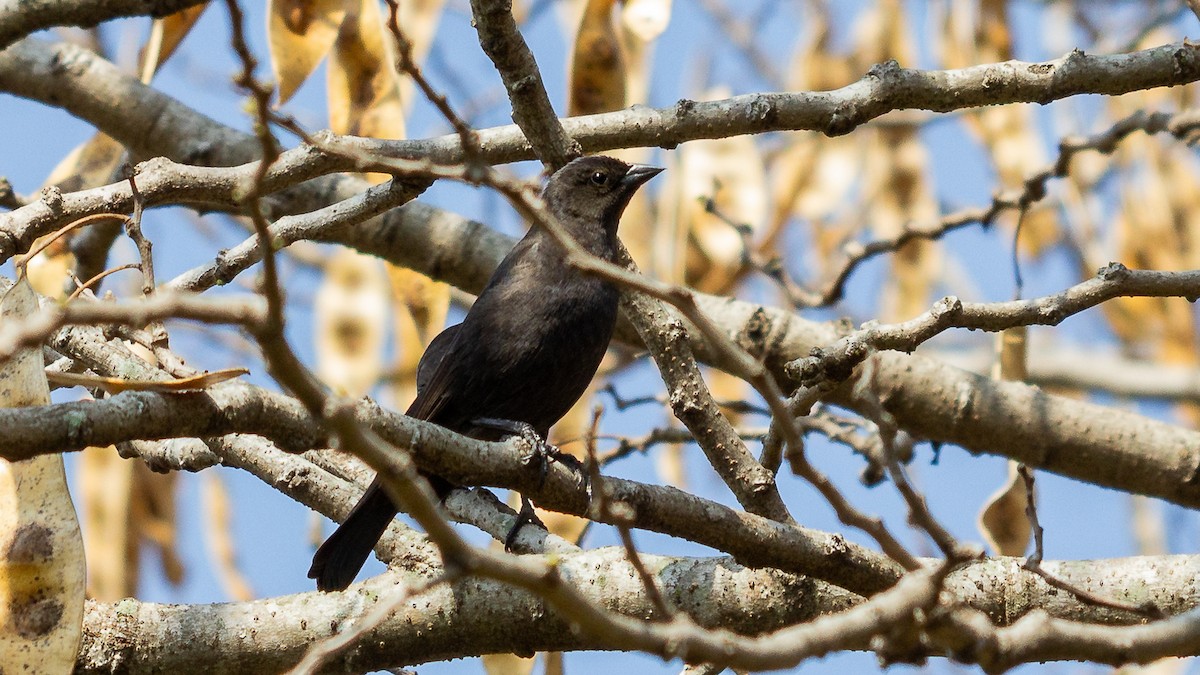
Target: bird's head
597, 188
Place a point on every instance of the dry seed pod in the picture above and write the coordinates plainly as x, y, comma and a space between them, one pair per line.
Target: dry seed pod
1003, 521
351, 312
165, 36
42, 571
363, 88
299, 34
597, 64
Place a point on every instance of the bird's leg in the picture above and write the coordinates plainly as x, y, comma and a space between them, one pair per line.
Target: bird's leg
526, 516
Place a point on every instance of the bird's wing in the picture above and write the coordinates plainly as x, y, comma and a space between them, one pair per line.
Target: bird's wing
433, 356
444, 368
434, 374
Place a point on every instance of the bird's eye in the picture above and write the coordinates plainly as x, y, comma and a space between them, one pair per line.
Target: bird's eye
599, 178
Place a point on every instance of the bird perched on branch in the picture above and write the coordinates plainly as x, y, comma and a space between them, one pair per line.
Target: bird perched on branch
525, 352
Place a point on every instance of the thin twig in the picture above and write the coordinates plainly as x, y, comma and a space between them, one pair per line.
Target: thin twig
472, 155
87, 285
836, 363
1033, 563
1182, 125
133, 228
621, 517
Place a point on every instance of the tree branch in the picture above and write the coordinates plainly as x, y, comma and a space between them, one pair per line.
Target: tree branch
19, 18
151, 123
1034, 620
502, 42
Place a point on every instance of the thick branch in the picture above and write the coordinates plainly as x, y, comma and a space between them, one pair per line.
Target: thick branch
19, 18
885, 88
1114, 280
472, 617
478, 616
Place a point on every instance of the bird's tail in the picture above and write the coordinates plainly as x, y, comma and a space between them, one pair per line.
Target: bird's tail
338, 560
343, 554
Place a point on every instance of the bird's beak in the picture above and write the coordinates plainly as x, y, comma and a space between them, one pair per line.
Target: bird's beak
639, 174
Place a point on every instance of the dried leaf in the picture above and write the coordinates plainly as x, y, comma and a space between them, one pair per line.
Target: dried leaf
814, 176
419, 21
363, 89
152, 516
896, 184
635, 54
116, 385
508, 664
165, 35
597, 67
120, 501
1172, 665
299, 34
49, 270
1013, 354
1003, 522
1009, 133
898, 191
42, 572
570, 14
642, 21
351, 311
670, 467
1149, 530
1151, 233
89, 165
729, 175
883, 33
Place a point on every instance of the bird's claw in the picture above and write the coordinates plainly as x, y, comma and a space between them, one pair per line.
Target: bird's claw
542, 451
526, 516
548, 453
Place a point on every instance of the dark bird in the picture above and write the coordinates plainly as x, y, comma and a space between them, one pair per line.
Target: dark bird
525, 352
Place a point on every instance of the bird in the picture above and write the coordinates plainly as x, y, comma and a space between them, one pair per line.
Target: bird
524, 353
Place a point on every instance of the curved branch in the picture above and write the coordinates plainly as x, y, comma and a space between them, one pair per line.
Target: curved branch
151, 123
1114, 280
19, 18
471, 617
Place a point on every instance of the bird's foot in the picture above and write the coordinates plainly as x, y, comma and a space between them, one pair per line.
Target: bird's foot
542, 452
526, 516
